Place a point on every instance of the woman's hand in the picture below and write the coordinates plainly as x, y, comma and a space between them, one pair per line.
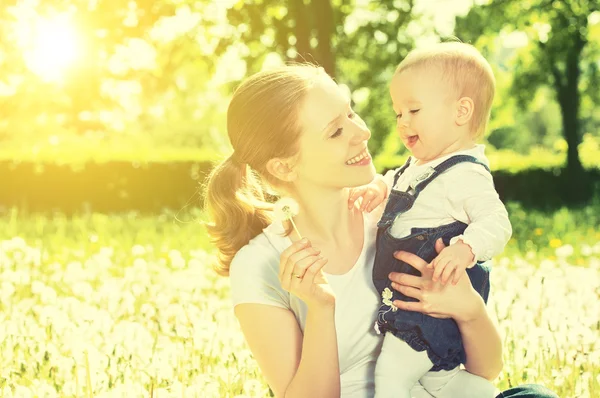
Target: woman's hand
300, 273
460, 302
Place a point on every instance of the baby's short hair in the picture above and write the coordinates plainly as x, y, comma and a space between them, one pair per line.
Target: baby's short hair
467, 71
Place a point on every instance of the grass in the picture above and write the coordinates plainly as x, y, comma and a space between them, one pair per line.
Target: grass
127, 305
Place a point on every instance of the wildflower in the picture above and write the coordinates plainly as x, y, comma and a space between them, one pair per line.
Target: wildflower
287, 209
564, 251
555, 243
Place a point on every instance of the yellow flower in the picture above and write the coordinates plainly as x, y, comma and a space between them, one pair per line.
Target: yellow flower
555, 243
538, 231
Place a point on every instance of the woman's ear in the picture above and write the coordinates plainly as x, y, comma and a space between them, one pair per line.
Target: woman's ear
281, 169
464, 111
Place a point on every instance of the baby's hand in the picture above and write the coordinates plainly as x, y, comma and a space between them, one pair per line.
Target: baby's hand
372, 195
454, 258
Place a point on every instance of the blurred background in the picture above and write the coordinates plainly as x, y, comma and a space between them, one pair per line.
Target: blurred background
112, 113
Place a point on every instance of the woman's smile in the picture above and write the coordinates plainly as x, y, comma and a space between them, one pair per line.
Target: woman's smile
362, 159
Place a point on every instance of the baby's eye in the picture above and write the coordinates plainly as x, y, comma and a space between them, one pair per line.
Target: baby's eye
398, 116
351, 114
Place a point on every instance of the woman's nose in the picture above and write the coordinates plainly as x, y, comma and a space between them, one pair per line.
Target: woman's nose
361, 132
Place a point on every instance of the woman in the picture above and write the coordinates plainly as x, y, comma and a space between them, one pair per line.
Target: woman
307, 306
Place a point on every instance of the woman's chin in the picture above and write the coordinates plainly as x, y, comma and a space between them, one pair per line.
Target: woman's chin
362, 176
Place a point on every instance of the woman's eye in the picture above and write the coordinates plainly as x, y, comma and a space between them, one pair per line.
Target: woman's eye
398, 116
337, 133
414, 110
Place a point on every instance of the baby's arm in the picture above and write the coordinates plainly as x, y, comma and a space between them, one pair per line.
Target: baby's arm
470, 190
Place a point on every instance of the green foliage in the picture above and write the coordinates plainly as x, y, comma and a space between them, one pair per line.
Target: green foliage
561, 37
157, 76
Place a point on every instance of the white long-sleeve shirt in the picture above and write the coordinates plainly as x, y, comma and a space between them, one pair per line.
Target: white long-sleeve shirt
463, 193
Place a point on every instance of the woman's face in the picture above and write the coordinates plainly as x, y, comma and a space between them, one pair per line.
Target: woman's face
333, 145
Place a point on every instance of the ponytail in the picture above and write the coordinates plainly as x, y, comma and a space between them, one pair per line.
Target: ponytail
237, 208
262, 124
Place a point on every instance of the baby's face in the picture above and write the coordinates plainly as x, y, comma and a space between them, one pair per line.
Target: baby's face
426, 110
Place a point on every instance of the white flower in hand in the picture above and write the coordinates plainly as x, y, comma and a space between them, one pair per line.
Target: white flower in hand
286, 209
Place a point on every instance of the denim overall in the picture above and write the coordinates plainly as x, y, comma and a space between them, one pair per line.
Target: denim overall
440, 337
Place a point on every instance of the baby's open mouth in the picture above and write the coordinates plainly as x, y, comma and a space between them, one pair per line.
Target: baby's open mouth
412, 140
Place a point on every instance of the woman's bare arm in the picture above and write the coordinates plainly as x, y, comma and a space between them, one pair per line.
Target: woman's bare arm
482, 343
294, 365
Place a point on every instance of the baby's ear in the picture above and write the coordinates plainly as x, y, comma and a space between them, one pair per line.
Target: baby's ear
464, 110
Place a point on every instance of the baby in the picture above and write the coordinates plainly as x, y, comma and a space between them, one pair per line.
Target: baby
442, 97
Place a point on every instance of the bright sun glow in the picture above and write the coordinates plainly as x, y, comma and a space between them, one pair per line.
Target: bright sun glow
52, 48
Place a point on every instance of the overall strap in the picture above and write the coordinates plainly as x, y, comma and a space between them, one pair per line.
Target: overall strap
401, 170
424, 180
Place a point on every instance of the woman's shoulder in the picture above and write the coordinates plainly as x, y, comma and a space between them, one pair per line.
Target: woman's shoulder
256, 255
254, 273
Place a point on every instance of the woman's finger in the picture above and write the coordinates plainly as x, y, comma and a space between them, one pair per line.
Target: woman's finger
411, 292
289, 265
412, 259
301, 266
406, 280
314, 270
293, 248
409, 305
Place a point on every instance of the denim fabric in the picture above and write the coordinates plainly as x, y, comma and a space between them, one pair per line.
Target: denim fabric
528, 391
439, 337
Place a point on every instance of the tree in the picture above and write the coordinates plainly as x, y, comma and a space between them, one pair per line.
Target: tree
561, 55
361, 53
297, 30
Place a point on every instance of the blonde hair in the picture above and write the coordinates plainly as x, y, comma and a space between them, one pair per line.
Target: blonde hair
262, 124
465, 69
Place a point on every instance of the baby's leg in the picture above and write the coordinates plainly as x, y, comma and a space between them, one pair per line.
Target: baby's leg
398, 368
457, 383
418, 391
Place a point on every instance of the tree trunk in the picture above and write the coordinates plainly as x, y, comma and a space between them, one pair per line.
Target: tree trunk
325, 30
302, 30
577, 188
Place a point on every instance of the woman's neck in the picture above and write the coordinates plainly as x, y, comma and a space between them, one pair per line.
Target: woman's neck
324, 215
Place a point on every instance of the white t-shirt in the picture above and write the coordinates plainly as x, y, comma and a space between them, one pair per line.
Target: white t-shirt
465, 193
254, 279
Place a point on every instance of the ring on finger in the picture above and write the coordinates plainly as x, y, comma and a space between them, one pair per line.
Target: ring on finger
298, 276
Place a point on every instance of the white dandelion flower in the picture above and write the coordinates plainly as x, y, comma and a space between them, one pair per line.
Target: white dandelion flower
286, 209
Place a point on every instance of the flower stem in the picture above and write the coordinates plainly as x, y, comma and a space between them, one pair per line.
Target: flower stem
295, 229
